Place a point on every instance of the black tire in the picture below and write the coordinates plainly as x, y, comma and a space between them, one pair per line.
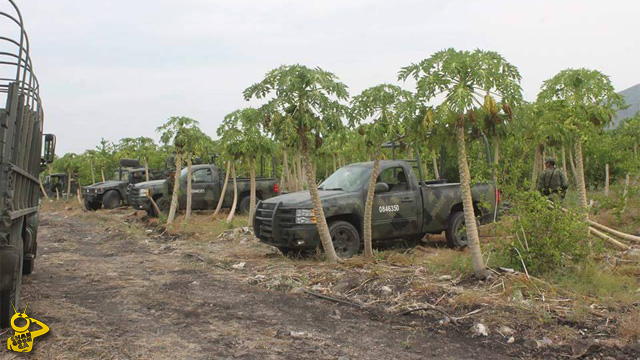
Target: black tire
28, 264
10, 298
111, 199
92, 205
345, 237
456, 231
245, 205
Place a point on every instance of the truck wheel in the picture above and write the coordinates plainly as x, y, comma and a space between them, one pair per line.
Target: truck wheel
245, 205
345, 237
92, 205
11, 297
27, 265
111, 199
456, 232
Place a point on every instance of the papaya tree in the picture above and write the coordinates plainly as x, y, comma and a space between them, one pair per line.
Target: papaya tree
308, 101
230, 144
466, 79
173, 132
249, 141
378, 111
585, 102
195, 143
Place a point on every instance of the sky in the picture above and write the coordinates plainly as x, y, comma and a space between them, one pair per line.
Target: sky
114, 69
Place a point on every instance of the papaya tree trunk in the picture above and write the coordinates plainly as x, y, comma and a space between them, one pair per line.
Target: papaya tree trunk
146, 169
624, 194
368, 247
477, 261
235, 193
252, 190
187, 214
564, 160
176, 188
44, 193
573, 167
606, 180
224, 190
57, 194
69, 184
102, 174
436, 172
321, 221
79, 196
334, 162
582, 187
93, 173
537, 161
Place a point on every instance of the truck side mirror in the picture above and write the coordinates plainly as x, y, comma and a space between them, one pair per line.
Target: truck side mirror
49, 148
381, 187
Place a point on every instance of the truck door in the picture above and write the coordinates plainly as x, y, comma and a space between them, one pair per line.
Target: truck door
395, 213
201, 188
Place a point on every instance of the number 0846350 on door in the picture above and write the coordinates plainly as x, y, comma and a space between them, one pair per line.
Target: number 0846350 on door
389, 208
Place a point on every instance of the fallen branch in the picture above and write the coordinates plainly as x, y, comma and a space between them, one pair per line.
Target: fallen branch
155, 206
523, 265
608, 239
331, 298
454, 320
623, 236
196, 256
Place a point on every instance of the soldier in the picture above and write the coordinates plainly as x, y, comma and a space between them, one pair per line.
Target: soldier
552, 181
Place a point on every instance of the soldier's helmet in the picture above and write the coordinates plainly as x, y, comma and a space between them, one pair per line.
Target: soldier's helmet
550, 160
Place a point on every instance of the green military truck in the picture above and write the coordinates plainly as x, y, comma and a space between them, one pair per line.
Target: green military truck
405, 207
58, 184
113, 193
206, 187
21, 125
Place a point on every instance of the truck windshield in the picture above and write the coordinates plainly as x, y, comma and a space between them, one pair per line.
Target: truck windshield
348, 178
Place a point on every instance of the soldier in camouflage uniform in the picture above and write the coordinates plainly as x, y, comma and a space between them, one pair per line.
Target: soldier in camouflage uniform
552, 181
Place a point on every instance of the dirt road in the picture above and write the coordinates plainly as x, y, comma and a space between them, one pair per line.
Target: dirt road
114, 294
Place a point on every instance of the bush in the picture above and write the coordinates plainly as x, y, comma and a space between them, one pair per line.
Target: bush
545, 237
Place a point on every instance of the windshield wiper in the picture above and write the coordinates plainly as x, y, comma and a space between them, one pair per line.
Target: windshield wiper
333, 189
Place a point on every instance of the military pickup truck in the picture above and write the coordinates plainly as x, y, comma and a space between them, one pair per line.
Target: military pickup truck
206, 186
405, 207
21, 141
113, 193
59, 182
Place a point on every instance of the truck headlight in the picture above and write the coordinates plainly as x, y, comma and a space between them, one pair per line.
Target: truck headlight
144, 192
305, 216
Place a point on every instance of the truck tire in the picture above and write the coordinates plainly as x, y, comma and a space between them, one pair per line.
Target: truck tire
28, 264
11, 297
245, 205
92, 205
345, 237
456, 231
111, 199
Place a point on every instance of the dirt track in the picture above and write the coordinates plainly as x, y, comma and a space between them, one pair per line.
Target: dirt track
113, 294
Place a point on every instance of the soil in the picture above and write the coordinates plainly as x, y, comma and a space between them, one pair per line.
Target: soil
110, 288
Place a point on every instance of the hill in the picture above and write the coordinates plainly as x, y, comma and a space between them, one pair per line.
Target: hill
632, 97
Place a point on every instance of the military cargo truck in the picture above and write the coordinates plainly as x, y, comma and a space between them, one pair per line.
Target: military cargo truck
113, 193
206, 186
405, 207
21, 138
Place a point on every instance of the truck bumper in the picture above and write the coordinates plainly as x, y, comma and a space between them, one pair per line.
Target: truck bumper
276, 226
93, 198
139, 203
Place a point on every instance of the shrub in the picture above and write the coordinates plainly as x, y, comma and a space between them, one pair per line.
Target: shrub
545, 237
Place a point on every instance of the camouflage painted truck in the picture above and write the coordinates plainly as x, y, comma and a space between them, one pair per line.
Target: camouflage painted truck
113, 193
405, 207
206, 187
21, 125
